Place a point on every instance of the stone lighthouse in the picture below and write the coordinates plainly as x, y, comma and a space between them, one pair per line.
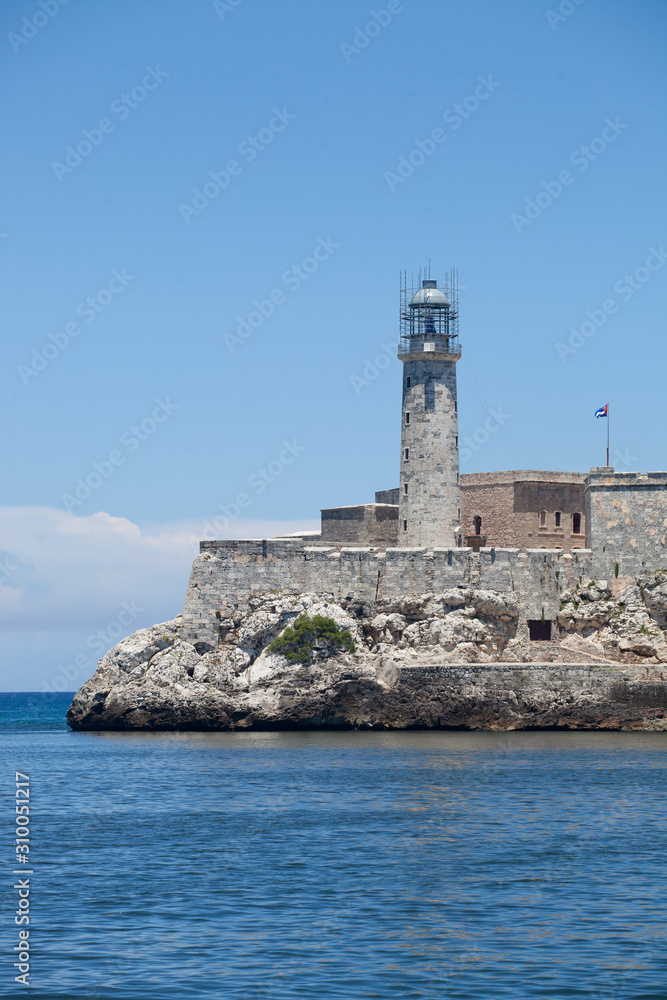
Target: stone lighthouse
429, 496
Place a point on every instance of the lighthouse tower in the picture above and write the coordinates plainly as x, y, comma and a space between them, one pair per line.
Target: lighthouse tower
429, 498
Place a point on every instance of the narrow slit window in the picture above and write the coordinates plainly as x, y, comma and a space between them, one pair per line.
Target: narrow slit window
405, 488
407, 454
457, 440
576, 524
543, 518
477, 521
407, 382
405, 525
407, 418
557, 518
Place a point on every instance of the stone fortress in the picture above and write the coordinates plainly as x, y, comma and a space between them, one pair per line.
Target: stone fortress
507, 600
536, 534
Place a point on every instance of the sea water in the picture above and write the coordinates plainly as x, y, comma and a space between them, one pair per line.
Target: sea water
336, 864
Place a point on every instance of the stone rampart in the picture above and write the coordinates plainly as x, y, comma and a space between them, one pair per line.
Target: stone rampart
226, 574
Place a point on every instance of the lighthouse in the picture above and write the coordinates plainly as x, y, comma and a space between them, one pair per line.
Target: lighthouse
429, 494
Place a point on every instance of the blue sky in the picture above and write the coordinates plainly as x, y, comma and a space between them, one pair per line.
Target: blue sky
157, 96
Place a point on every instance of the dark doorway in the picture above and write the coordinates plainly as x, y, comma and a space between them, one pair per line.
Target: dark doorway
540, 631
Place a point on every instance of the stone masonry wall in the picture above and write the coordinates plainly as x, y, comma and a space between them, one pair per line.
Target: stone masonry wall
626, 513
510, 505
365, 524
429, 479
227, 573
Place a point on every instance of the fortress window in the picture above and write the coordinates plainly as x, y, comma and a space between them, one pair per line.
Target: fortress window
405, 488
407, 454
543, 518
457, 478
407, 418
457, 440
576, 524
407, 382
477, 521
557, 518
405, 525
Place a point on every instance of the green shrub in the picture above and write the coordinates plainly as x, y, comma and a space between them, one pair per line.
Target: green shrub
308, 636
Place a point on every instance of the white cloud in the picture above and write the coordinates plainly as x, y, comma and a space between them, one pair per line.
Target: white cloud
66, 577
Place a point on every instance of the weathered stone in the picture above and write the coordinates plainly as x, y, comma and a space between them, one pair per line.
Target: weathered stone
433, 663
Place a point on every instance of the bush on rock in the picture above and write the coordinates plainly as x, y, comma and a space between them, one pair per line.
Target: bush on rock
310, 637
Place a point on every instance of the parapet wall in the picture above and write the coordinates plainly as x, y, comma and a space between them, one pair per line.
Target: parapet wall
227, 573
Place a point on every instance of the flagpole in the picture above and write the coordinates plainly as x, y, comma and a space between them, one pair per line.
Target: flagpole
607, 435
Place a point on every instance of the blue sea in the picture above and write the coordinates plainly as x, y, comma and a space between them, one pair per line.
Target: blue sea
347, 865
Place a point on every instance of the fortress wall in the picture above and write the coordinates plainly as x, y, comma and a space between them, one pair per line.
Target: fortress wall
407, 571
498, 568
321, 571
451, 568
543, 575
361, 572
365, 525
626, 517
227, 573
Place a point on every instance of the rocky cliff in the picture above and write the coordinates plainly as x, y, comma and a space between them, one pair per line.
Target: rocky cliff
462, 658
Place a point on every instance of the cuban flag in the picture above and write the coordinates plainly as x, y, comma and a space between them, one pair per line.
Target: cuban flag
602, 412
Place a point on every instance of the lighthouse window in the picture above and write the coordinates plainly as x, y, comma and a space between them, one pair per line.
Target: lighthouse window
405, 488
407, 382
407, 454
576, 524
407, 418
405, 525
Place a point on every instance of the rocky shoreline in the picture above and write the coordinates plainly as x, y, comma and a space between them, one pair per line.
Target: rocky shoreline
461, 659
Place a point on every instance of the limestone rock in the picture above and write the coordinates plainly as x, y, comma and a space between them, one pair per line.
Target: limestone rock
458, 658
